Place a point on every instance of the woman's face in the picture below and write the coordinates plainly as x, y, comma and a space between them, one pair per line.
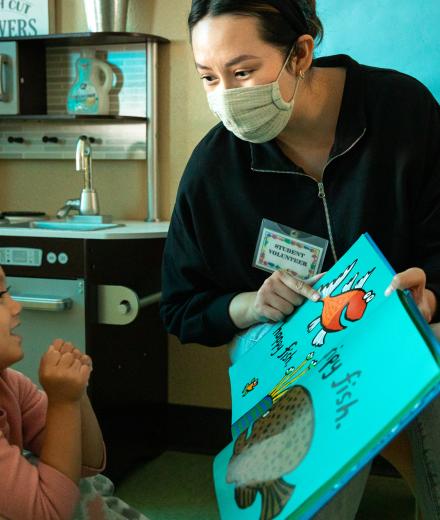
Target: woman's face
229, 53
10, 343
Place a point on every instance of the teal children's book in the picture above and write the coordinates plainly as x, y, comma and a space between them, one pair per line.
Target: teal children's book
320, 394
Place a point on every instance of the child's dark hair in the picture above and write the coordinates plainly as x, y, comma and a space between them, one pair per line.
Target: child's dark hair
281, 21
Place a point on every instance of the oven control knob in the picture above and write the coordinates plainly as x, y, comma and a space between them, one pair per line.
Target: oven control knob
124, 307
51, 257
63, 258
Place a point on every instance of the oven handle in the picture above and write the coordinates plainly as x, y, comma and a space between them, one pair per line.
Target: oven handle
43, 303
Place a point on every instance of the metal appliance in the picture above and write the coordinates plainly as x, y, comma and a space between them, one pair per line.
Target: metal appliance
103, 296
22, 78
9, 100
106, 15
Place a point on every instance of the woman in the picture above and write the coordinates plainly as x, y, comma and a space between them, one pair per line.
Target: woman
326, 147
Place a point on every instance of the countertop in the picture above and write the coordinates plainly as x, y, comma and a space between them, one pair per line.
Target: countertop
129, 229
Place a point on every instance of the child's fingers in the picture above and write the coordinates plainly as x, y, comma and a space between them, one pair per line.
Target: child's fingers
77, 353
57, 343
67, 347
76, 365
66, 360
86, 360
85, 371
51, 357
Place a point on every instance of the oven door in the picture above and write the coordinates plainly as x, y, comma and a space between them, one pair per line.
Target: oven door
51, 308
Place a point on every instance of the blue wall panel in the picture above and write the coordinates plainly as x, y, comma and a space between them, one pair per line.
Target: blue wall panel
397, 34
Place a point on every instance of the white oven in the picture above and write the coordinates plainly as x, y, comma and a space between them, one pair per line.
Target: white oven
51, 308
101, 294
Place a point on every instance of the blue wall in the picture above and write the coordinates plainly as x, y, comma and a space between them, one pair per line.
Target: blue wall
397, 34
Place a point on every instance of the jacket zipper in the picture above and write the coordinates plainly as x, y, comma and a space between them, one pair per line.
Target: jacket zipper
321, 191
322, 196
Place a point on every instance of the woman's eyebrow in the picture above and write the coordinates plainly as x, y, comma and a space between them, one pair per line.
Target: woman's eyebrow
234, 61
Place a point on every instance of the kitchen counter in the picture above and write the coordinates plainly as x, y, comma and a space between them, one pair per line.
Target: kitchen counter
130, 229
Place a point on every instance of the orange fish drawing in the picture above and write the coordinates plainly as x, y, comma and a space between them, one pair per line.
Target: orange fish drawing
349, 305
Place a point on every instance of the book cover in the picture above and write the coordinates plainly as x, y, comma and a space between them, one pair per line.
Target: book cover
324, 391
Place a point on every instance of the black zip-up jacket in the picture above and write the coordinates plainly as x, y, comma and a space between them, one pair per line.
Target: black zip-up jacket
382, 177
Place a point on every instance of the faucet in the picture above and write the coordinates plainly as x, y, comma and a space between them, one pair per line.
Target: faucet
69, 205
87, 204
89, 198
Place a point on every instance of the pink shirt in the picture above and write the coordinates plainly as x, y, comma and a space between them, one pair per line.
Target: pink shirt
29, 492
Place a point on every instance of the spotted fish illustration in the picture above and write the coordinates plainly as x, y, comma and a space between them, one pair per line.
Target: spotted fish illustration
349, 305
277, 443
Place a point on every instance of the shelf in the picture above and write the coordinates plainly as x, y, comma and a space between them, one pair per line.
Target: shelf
71, 117
88, 38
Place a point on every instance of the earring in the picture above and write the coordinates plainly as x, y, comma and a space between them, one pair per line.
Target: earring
301, 74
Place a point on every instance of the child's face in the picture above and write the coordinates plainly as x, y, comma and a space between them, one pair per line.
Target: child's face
10, 343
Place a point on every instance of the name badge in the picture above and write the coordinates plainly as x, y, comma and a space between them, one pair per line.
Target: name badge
282, 247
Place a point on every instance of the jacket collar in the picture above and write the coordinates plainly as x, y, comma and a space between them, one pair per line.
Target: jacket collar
268, 157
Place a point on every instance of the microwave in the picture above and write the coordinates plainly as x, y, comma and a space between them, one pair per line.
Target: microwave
22, 78
9, 99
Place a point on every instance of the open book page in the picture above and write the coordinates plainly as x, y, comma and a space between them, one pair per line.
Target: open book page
350, 292
320, 409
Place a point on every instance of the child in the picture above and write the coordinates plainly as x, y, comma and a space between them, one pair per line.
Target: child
58, 426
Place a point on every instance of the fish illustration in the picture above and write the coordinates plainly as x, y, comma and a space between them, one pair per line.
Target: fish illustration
350, 304
249, 386
277, 443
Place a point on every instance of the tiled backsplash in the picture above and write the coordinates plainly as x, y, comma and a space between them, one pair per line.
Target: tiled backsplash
113, 140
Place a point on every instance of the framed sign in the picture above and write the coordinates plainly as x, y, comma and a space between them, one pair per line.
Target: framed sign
26, 17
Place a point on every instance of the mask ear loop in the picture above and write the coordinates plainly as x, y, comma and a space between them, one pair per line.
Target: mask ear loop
300, 77
286, 62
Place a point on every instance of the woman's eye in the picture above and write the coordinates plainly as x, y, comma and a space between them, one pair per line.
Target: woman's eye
208, 79
242, 73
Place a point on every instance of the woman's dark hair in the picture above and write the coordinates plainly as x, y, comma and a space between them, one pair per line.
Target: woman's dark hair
282, 22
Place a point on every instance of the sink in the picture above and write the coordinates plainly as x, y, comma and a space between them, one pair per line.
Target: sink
75, 223
69, 226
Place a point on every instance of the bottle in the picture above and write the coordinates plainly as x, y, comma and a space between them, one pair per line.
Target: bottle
89, 93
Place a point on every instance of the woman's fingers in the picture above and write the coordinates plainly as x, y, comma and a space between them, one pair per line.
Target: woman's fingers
315, 278
275, 285
268, 313
279, 304
299, 286
281, 293
413, 278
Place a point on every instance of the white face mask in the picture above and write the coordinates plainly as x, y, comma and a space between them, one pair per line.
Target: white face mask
256, 114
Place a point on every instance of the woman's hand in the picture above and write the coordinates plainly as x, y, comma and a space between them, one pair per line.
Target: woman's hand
276, 299
414, 279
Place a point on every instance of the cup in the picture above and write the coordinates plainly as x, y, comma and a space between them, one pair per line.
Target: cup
106, 15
